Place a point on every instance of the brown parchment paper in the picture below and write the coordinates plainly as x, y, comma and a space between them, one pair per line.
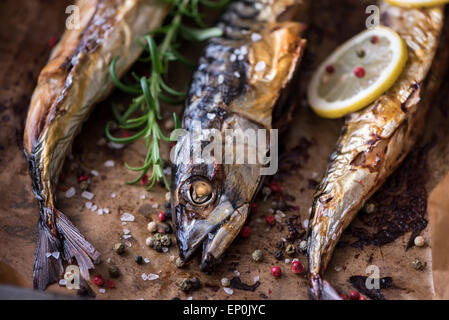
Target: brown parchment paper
439, 224
26, 27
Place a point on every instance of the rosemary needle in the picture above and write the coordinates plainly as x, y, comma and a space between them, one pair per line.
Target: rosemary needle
149, 92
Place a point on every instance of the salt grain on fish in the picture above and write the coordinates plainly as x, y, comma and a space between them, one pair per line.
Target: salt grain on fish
260, 66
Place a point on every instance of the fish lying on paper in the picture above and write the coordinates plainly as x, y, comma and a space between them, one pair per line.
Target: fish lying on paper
375, 140
238, 82
74, 79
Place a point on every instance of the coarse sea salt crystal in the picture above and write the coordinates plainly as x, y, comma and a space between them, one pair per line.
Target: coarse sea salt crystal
100, 212
87, 195
190, 298
113, 195
220, 79
256, 278
94, 208
70, 193
152, 276
88, 205
261, 65
109, 163
106, 210
237, 74
146, 260
210, 116
109, 260
127, 217
127, 236
94, 173
63, 282
144, 277
255, 37
143, 197
102, 290
228, 290
55, 254
236, 273
287, 260
232, 57
117, 146
155, 205
48, 254
126, 231
164, 249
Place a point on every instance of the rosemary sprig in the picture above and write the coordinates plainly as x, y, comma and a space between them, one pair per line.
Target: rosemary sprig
149, 92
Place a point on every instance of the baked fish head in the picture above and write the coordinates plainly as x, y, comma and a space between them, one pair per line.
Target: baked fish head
210, 200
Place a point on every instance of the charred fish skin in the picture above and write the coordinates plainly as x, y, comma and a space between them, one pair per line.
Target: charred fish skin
373, 142
75, 78
238, 81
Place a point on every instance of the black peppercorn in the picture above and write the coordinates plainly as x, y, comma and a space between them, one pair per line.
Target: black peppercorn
280, 244
278, 255
138, 259
196, 283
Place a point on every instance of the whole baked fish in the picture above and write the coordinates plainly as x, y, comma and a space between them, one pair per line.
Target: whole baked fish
238, 82
75, 78
374, 141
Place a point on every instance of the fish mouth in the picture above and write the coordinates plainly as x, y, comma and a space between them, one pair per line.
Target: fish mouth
215, 232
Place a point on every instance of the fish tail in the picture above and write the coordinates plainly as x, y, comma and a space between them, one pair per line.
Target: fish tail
47, 267
75, 245
53, 247
320, 289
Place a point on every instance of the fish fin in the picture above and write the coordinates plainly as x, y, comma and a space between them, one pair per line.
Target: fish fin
320, 289
75, 245
47, 269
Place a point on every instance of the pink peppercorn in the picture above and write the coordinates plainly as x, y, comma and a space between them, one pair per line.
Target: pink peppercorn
354, 295
82, 178
144, 180
275, 187
276, 271
246, 232
270, 220
297, 267
98, 280
161, 216
330, 69
359, 72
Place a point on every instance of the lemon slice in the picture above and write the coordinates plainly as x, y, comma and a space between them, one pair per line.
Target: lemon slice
416, 3
357, 72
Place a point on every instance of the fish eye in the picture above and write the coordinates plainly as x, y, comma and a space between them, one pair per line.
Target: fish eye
200, 192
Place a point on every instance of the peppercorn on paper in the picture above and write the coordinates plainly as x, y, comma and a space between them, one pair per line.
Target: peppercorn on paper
306, 147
